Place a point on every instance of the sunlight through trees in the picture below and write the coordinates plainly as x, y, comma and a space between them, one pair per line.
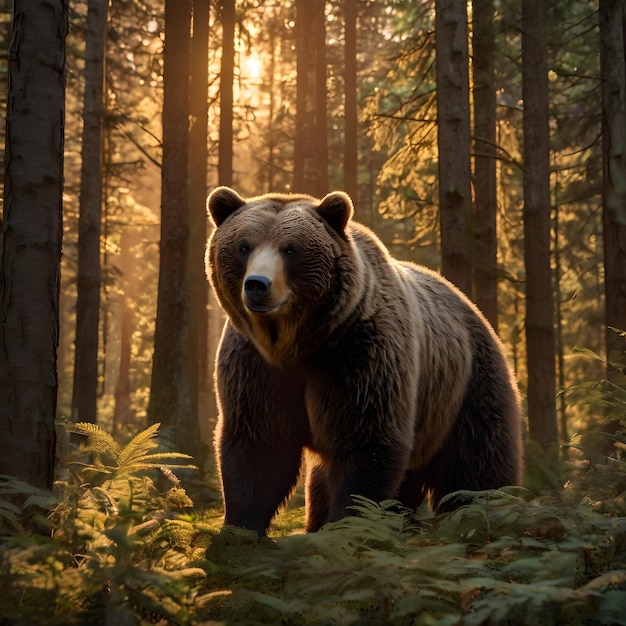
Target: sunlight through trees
314, 96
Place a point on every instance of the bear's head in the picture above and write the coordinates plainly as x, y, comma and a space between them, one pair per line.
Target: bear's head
284, 268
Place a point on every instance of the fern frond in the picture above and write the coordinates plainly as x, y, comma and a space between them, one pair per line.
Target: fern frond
139, 444
155, 460
99, 440
159, 457
588, 353
618, 365
100, 468
135, 467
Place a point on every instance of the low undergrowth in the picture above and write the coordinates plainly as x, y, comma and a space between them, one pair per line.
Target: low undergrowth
123, 548
122, 552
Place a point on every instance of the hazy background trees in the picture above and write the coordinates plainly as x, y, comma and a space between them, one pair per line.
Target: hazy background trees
312, 96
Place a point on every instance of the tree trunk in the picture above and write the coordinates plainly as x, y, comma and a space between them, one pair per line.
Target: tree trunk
271, 86
84, 395
350, 158
169, 391
198, 156
31, 241
227, 73
455, 199
613, 75
485, 203
311, 142
540, 336
6, 18
123, 415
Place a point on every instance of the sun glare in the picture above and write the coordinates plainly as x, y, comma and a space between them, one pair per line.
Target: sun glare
253, 66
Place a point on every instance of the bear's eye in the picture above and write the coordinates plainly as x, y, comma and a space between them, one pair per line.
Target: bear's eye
243, 248
289, 250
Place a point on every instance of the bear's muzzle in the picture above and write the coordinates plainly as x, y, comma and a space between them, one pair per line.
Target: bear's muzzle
257, 288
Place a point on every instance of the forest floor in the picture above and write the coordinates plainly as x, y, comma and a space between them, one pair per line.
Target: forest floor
120, 549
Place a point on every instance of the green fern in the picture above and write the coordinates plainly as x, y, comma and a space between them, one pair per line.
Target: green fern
22, 504
116, 487
132, 458
100, 441
121, 548
138, 445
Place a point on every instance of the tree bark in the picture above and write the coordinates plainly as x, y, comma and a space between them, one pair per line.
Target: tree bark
455, 199
31, 241
198, 153
540, 335
169, 391
274, 27
227, 73
613, 77
485, 203
350, 158
85, 388
311, 140
123, 414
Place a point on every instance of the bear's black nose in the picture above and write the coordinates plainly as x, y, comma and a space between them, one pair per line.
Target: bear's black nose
257, 287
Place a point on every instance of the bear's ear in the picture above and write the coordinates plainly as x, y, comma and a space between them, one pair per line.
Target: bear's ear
221, 202
336, 208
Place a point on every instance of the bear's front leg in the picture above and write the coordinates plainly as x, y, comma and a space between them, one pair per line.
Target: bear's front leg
260, 435
374, 471
257, 478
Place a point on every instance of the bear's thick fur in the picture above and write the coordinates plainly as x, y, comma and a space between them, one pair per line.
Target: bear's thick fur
382, 371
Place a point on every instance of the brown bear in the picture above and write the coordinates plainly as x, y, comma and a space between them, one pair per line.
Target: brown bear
385, 374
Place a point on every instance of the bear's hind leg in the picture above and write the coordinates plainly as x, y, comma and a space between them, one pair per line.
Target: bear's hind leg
484, 447
472, 459
412, 491
317, 496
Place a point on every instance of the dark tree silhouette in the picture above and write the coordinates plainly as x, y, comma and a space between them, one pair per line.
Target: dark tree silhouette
31, 240
198, 156
227, 73
540, 335
485, 205
455, 196
169, 391
310, 169
613, 75
350, 157
85, 390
